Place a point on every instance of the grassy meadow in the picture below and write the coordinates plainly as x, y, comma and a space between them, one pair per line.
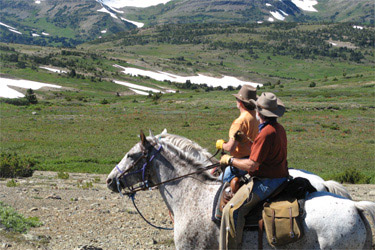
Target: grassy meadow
91, 123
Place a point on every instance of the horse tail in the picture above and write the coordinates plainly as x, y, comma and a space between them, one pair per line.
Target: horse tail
368, 207
336, 188
366, 210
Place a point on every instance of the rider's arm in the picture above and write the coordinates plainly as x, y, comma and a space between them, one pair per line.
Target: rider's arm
230, 146
245, 164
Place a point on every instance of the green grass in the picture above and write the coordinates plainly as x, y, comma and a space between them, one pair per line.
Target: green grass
13, 221
330, 127
90, 137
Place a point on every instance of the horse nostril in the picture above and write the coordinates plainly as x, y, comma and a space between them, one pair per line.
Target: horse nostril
109, 181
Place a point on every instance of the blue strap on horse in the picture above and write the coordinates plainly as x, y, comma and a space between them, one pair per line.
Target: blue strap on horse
132, 195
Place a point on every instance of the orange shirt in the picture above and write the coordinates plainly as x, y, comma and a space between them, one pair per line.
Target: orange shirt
270, 151
248, 125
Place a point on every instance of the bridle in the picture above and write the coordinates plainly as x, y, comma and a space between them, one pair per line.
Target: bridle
146, 184
124, 174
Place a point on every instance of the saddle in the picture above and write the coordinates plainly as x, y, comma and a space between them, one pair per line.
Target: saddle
280, 214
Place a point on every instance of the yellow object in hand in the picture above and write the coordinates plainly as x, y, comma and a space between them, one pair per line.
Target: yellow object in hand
219, 144
226, 160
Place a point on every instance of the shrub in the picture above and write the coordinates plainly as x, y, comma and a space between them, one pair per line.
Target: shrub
15, 101
12, 183
104, 101
312, 85
12, 165
62, 175
352, 176
13, 221
31, 97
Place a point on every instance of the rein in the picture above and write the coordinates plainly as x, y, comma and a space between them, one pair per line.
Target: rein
142, 188
145, 185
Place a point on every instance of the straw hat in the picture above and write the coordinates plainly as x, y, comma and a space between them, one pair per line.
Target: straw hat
246, 93
269, 105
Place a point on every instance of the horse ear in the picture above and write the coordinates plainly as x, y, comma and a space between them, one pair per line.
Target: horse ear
143, 138
164, 131
151, 134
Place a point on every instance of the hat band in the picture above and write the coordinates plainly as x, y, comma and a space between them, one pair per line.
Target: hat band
262, 107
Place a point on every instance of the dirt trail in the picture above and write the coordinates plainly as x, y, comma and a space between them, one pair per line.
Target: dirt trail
81, 213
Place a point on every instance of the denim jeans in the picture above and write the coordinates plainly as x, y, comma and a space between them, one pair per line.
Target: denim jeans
265, 187
228, 174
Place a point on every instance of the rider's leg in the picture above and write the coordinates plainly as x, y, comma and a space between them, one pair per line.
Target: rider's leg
239, 218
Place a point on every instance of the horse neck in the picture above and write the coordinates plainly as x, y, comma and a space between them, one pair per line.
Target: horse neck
185, 192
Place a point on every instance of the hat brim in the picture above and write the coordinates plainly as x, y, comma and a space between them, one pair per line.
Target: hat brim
278, 112
243, 100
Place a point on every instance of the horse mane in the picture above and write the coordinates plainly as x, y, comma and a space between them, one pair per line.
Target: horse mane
189, 150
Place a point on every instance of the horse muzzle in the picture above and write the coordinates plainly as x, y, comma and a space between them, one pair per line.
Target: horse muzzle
115, 185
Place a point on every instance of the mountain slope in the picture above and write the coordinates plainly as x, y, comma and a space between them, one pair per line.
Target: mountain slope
69, 22
57, 22
249, 11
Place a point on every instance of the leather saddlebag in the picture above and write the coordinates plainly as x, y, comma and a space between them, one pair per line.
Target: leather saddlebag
282, 222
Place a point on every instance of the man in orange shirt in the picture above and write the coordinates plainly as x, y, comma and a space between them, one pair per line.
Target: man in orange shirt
267, 162
242, 131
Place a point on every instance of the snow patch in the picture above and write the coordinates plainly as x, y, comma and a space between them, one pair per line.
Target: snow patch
16, 31
37, 2
53, 70
270, 19
268, 5
45, 34
306, 5
260, 22
284, 13
138, 87
104, 10
7, 92
224, 81
34, 34
358, 27
139, 25
139, 92
103, 31
115, 10
9, 27
277, 15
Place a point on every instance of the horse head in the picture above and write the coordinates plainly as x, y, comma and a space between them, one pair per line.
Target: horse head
133, 168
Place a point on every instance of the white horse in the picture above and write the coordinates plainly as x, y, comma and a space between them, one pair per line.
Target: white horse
331, 221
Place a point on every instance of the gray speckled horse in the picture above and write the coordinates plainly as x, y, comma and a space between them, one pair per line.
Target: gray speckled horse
331, 221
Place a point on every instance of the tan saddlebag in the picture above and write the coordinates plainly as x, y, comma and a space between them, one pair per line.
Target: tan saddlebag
282, 222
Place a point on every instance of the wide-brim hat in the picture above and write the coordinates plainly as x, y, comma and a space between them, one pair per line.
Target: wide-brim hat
269, 105
246, 93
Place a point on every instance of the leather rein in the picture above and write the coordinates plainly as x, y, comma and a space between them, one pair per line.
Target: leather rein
145, 185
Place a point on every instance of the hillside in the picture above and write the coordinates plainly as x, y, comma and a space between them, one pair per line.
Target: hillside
264, 53
62, 23
69, 23
324, 75
224, 11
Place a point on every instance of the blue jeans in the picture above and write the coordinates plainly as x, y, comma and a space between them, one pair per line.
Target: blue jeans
265, 187
228, 174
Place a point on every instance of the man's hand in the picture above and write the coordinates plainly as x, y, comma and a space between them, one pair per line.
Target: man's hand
219, 144
226, 160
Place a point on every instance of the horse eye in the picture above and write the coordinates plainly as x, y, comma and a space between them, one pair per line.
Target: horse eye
134, 156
